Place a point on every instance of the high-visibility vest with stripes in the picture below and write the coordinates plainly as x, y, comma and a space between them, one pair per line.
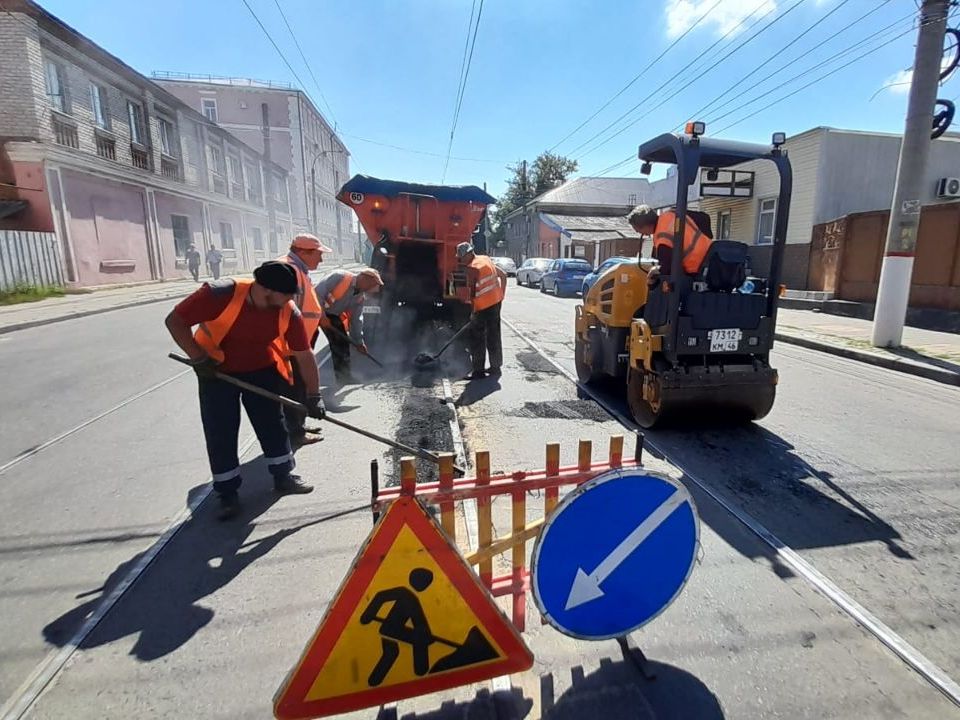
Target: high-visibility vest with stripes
488, 292
695, 243
339, 292
210, 334
307, 299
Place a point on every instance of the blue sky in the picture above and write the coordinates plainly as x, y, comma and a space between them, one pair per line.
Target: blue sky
389, 70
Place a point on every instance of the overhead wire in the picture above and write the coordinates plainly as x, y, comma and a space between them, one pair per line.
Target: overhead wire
693, 80
423, 152
275, 46
461, 91
306, 64
635, 78
782, 50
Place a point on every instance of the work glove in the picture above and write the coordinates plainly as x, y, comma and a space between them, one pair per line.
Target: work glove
315, 407
362, 348
205, 367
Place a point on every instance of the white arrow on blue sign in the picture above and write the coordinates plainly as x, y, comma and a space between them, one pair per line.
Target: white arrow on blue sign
614, 554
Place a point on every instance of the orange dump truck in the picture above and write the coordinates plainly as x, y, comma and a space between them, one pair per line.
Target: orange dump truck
415, 230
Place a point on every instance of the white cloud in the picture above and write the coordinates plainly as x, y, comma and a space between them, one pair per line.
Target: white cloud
899, 82
729, 15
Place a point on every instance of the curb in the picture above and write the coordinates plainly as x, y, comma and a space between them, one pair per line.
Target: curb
97, 311
930, 373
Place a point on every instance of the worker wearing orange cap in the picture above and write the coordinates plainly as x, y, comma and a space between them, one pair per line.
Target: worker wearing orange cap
306, 253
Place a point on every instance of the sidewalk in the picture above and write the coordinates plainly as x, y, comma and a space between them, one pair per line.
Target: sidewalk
72, 306
926, 353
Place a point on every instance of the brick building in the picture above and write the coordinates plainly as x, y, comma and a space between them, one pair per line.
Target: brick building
124, 173
301, 141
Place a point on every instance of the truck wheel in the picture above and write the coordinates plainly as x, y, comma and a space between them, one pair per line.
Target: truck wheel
646, 413
588, 368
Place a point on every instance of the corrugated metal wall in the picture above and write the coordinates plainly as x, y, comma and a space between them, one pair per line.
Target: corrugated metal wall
29, 258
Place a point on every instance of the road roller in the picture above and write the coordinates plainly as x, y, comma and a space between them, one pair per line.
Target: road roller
690, 346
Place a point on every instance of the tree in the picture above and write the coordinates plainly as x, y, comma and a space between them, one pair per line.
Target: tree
526, 182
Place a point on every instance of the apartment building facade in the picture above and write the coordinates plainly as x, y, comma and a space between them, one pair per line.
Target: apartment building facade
280, 121
123, 172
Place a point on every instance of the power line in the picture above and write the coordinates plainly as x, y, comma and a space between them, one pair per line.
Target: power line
422, 152
275, 46
839, 54
696, 114
696, 77
307, 64
664, 84
463, 60
461, 92
635, 78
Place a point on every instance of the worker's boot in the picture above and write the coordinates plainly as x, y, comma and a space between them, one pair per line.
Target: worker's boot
229, 505
291, 485
307, 437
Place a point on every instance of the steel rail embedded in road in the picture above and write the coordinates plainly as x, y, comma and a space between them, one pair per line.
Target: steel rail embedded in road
911, 656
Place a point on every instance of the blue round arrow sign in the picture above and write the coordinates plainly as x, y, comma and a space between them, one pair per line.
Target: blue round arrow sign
614, 554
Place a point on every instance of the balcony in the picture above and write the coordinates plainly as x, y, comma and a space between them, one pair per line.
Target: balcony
139, 158
106, 147
236, 191
170, 168
65, 133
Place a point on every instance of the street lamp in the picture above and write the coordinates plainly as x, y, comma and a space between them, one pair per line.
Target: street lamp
313, 189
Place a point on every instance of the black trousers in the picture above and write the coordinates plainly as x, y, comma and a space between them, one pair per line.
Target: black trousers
220, 412
485, 338
339, 347
195, 271
295, 419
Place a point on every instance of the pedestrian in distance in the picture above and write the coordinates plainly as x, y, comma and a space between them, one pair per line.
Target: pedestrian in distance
488, 286
306, 254
342, 294
214, 258
193, 261
249, 329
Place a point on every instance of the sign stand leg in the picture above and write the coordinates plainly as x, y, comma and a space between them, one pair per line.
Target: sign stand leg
635, 655
374, 487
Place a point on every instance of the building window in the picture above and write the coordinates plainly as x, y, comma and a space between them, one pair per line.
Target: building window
226, 235
167, 134
208, 106
135, 117
236, 177
273, 241
632, 199
280, 190
723, 225
216, 159
765, 221
181, 234
98, 103
257, 238
106, 147
53, 77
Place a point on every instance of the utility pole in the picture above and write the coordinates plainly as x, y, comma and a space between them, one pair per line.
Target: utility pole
894, 292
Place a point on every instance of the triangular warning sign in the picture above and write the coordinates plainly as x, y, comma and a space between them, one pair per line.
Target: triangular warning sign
410, 618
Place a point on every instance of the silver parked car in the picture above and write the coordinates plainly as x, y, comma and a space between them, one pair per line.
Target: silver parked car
532, 270
506, 264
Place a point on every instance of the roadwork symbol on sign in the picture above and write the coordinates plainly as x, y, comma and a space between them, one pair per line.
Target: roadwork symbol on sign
614, 554
410, 618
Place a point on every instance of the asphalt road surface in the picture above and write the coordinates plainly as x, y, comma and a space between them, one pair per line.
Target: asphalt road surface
855, 469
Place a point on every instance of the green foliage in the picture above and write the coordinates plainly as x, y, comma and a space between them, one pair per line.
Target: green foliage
22, 292
527, 182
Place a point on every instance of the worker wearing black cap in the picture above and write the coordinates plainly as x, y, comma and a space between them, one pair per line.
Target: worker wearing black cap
248, 329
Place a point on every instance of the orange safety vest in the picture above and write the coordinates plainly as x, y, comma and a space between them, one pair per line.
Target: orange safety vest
695, 243
306, 298
488, 291
337, 294
210, 334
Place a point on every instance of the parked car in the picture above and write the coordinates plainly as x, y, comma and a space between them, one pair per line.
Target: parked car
506, 264
531, 270
565, 276
590, 279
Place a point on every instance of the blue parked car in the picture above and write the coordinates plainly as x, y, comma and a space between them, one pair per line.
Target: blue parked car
590, 279
565, 276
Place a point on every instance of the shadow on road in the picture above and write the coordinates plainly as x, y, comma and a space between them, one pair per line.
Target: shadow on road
203, 557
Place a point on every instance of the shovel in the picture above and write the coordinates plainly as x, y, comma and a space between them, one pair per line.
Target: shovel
419, 452
425, 360
344, 336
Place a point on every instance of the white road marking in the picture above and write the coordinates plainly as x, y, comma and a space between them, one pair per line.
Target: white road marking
586, 587
916, 660
50, 667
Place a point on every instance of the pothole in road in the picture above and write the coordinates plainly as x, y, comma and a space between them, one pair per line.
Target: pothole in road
533, 362
562, 410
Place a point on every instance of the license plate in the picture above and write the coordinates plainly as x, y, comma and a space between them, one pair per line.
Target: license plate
726, 340
371, 309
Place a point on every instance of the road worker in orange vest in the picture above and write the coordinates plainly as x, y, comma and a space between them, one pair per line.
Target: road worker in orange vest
341, 295
250, 329
696, 240
306, 254
488, 286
